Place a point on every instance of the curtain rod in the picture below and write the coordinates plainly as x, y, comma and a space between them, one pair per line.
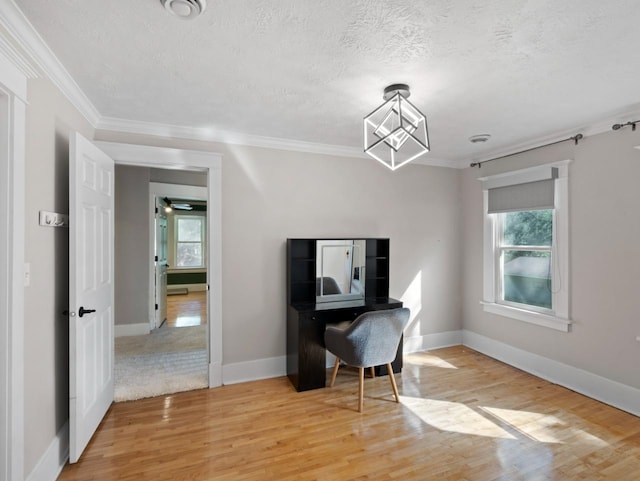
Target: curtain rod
575, 138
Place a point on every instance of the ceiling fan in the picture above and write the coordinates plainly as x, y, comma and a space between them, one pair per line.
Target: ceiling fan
178, 205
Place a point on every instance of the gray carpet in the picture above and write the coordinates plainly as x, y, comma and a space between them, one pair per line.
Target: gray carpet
166, 361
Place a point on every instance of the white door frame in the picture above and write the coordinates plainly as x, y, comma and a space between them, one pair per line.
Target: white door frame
14, 71
157, 189
211, 163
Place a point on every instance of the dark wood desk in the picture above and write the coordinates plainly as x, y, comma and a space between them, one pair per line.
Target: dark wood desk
306, 323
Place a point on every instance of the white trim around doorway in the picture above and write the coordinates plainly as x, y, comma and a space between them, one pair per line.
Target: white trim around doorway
211, 163
14, 72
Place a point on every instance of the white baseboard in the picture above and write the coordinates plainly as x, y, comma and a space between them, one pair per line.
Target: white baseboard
610, 392
276, 366
54, 459
254, 370
215, 374
432, 341
140, 329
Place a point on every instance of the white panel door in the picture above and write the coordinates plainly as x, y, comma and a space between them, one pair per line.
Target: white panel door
161, 264
91, 273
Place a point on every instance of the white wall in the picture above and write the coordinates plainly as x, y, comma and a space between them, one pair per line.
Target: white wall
604, 261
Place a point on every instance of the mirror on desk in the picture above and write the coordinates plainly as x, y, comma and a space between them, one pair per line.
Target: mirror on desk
340, 268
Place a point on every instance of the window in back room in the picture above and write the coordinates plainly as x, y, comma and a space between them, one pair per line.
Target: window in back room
190, 232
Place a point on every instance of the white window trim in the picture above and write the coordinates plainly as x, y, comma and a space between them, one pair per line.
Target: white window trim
203, 242
558, 318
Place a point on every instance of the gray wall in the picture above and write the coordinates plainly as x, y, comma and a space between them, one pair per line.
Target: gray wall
269, 195
181, 177
131, 288
604, 261
50, 118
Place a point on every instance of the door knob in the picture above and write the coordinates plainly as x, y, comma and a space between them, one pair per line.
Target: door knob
84, 311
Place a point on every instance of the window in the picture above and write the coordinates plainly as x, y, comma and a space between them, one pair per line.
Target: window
190, 241
525, 245
523, 253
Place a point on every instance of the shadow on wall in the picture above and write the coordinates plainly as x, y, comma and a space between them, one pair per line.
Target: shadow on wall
61, 284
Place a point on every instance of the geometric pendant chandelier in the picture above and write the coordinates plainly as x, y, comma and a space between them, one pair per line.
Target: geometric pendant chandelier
396, 132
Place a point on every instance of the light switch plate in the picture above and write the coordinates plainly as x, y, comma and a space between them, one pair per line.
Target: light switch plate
53, 219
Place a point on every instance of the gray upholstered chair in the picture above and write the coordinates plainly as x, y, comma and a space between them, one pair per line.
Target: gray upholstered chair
371, 340
329, 286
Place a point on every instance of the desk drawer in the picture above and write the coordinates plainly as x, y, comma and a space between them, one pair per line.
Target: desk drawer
337, 316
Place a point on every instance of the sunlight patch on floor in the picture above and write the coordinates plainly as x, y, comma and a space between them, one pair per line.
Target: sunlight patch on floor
453, 417
544, 428
428, 360
528, 461
187, 321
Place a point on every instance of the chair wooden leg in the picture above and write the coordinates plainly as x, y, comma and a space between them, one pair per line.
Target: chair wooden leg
393, 382
335, 372
361, 389
373, 371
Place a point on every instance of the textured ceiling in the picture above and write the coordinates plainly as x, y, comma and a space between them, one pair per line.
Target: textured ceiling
310, 70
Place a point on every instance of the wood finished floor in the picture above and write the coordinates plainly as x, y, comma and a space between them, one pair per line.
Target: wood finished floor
186, 310
462, 417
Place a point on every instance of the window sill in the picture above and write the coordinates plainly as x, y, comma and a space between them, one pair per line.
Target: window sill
531, 317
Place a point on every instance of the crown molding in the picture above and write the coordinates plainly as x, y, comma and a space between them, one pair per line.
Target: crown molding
224, 136
237, 138
17, 25
435, 162
588, 130
19, 61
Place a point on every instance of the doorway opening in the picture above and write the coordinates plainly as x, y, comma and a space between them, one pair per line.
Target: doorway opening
160, 242
209, 163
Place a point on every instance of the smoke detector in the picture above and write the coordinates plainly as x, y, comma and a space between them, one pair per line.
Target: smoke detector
479, 139
186, 9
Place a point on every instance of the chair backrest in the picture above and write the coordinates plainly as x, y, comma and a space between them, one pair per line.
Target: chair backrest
329, 286
374, 337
